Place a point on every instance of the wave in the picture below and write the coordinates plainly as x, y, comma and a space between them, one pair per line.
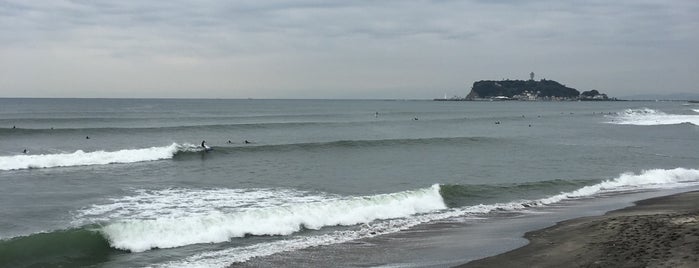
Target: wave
137, 235
650, 117
343, 144
63, 248
150, 220
189, 126
456, 195
650, 179
646, 180
187, 151
146, 129
81, 158
146, 125
168, 218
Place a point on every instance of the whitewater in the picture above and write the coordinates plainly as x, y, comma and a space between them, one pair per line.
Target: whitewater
150, 220
81, 158
646, 180
649, 117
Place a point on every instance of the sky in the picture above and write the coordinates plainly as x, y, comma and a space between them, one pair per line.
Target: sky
356, 49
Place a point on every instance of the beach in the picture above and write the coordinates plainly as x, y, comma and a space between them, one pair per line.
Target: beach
656, 232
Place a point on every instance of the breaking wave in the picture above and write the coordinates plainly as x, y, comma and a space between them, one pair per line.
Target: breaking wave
179, 217
150, 219
213, 225
650, 117
81, 158
650, 179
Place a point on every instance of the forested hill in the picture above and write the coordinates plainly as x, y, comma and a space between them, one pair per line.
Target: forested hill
514, 88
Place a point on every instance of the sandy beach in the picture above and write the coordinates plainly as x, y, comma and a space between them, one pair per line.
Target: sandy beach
657, 232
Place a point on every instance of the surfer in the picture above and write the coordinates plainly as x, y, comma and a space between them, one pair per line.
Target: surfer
229, 142
206, 147
247, 142
25, 151
87, 137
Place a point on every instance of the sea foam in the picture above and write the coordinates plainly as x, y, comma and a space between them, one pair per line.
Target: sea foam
649, 117
210, 225
152, 219
649, 179
81, 158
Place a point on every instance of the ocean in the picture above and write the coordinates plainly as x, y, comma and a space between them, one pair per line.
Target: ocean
320, 183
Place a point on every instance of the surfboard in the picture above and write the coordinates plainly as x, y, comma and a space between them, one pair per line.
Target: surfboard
208, 149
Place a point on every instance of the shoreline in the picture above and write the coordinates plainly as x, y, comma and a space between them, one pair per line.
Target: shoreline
660, 231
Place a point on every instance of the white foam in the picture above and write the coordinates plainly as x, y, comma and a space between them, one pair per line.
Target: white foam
178, 217
650, 117
81, 158
649, 179
695, 110
150, 204
225, 257
163, 229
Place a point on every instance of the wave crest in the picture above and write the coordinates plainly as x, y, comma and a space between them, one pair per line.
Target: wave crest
649, 179
650, 117
179, 217
215, 226
81, 158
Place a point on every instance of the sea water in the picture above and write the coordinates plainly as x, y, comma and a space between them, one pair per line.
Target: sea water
126, 183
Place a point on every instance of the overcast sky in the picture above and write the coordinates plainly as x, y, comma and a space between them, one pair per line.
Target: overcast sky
342, 49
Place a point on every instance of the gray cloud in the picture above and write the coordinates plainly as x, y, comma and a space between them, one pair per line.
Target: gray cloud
326, 49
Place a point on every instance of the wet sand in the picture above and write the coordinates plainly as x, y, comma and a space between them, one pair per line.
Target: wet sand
657, 232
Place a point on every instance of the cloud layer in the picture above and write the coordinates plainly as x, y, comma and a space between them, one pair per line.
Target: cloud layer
341, 49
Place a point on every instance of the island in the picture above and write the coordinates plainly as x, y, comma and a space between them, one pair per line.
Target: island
522, 90
527, 90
